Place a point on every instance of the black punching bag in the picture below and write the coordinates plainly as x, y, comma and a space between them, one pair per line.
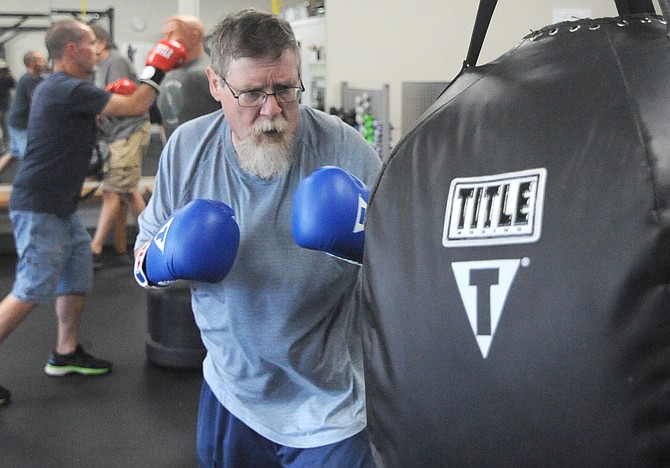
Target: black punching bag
517, 260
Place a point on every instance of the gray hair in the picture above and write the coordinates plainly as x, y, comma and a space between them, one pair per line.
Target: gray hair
251, 33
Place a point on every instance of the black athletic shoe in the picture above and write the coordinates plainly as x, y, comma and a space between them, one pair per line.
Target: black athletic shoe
5, 396
79, 362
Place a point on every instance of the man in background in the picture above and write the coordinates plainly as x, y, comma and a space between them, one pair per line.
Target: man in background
6, 84
127, 139
52, 244
17, 121
184, 93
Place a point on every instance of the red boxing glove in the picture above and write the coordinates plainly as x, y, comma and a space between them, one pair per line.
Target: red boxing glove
165, 56
122, 86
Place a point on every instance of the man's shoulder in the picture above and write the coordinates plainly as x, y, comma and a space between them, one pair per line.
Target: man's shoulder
313, 116
28, 77
63, 89
199, 125
336, 142
195, 66
116, 66
52, 81
118, 58
61, 78
65, 84
199, 63
320, 123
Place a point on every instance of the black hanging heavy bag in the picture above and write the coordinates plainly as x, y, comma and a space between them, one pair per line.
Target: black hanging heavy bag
517, 262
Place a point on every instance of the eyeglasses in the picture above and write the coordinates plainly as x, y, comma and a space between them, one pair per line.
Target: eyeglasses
258, 98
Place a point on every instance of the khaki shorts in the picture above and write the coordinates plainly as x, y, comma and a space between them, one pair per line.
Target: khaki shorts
124, 167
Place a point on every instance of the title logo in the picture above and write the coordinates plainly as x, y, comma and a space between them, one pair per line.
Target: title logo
165, 51
497, 209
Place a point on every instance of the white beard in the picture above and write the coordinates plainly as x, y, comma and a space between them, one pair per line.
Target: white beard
267, 152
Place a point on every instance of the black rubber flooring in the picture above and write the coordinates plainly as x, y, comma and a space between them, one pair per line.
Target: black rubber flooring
140, 415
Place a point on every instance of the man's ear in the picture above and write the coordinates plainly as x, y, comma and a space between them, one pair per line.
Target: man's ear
214, 83
70, 48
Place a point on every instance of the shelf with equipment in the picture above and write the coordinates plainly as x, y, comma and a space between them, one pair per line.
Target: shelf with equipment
371, 108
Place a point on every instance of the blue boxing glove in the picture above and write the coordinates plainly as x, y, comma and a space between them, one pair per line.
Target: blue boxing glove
328, 212
198, 242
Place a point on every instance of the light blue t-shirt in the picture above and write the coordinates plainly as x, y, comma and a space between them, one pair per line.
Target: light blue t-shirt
282, 329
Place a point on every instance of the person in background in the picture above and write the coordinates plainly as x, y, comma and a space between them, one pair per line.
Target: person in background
53, 247
184, 92
19, 111
283, 374
127, 139
7, 83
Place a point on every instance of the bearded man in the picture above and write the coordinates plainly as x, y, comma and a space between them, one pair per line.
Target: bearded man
283, 375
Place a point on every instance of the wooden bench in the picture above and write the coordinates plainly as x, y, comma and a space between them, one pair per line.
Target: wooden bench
146, 186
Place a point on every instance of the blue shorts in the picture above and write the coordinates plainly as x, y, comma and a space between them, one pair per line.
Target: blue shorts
225, 441
54, 256
18, 140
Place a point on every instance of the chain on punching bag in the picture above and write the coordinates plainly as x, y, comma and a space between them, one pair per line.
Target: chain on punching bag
516, 279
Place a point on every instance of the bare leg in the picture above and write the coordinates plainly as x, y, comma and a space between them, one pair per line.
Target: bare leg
135, 202
5, 159
161, 129
111, 202
12, 312
69, 309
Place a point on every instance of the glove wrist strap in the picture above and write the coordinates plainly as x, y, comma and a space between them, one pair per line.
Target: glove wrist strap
139, 267
153, 77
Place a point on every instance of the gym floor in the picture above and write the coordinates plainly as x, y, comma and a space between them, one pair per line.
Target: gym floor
140, 415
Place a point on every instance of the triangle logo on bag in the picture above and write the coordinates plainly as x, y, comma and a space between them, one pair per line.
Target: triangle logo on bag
484, 286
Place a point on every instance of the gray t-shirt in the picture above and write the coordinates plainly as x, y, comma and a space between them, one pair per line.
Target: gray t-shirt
184, 94
113, 68
282, 329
